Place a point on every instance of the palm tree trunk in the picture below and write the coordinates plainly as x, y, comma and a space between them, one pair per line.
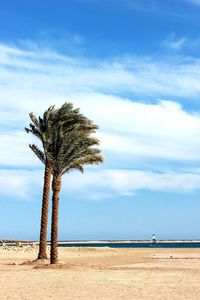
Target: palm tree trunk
56, 185
44, 215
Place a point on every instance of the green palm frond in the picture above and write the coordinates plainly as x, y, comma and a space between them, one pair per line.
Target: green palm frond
48, 114
66, 136
34, 131
33, 119
79, 163
39, 153
75, 166
72, 150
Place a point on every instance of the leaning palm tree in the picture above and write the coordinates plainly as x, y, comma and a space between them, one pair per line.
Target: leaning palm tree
68, 151
43, 129
38, 130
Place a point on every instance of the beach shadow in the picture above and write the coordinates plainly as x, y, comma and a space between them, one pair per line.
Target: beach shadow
35, 262
59, 266
44, 264
30, 263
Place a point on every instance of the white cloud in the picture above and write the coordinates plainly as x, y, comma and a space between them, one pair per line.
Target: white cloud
34, 80
163, 130
127, 182
20, 184
36, 76
197, 2
160, 131
181, 44
97, 185
175, 43
15, 151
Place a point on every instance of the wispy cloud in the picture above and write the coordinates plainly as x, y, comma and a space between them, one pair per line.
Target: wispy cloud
32, 80
20, 184
98, 185
147, 5
174, 43
181, 44
39, 71
196, 2
165, 8
147, 131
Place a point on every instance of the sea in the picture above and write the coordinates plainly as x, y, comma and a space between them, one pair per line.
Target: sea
171, 244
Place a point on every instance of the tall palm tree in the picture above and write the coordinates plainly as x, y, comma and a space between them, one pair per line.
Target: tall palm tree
43, 129
67, 151
38, 130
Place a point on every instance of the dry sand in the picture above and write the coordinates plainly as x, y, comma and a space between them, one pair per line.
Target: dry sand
102, 273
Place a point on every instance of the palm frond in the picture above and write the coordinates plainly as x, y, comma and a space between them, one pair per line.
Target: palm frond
33, 119
39, 153
73, 151
73, 167
66, 136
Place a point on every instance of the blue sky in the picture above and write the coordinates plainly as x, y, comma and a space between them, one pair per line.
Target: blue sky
134, 68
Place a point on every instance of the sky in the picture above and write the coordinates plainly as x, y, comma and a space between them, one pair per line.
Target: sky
132, 66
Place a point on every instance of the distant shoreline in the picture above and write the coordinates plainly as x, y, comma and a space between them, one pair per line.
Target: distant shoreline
102, 241
126, 241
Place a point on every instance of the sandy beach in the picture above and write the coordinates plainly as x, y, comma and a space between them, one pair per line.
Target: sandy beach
101, 273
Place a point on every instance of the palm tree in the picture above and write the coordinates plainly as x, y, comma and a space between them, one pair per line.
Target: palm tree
38, 130
42, 128
67, 151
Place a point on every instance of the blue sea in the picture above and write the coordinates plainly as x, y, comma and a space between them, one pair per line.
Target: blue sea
134, 245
